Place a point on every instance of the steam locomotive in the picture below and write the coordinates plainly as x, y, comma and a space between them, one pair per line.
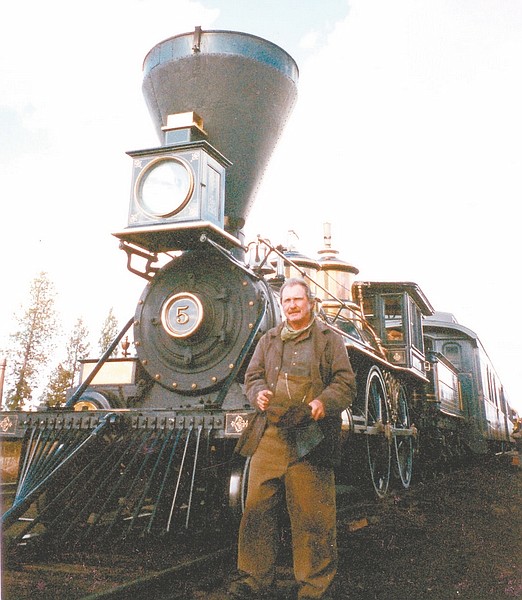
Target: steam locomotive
145, 443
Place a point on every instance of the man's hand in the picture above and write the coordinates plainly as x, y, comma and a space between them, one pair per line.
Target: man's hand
317, 409
263, 399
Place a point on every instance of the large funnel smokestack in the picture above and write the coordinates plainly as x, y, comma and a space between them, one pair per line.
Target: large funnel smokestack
242, 86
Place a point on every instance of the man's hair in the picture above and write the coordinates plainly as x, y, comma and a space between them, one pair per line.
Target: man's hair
297, 281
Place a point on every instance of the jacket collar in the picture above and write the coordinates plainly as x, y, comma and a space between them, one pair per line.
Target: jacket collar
319, 326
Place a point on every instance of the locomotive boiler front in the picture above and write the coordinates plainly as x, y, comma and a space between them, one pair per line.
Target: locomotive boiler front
195, 325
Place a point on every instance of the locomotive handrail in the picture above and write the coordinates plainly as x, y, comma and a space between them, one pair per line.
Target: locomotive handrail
228, 255
224, 390
355, 308
304, 274
77, 394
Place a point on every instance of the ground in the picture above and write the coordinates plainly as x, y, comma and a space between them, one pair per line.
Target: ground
454, 537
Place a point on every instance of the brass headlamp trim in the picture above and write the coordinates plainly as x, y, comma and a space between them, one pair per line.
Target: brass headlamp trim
179, 205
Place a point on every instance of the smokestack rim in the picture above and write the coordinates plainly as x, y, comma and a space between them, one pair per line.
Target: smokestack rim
222, 42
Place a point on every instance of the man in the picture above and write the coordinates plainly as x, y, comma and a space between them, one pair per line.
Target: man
299, 380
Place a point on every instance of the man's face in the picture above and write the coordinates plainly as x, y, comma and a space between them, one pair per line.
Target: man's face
296, 306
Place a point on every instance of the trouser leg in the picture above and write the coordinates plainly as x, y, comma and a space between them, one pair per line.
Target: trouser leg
310, 494
259, 529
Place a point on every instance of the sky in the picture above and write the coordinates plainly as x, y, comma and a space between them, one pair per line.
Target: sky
407, 137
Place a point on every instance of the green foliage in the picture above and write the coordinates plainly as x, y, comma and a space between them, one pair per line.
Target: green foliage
56, 392
66, 373
77, 348
33, 343
108, 333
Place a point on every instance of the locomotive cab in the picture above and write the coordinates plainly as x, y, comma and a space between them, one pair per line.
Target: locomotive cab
395, 311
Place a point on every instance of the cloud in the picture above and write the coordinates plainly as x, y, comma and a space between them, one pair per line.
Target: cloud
70, 108
406, 137
310, 40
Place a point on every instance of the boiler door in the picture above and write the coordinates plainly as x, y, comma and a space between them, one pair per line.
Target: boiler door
194, 320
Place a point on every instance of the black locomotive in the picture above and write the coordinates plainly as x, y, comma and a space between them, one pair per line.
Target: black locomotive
145, 443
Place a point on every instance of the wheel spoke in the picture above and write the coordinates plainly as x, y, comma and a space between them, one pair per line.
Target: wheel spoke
403, 443
379, 451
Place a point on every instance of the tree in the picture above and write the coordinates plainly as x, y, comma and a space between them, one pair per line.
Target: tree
109, 332
55, 393
33, 343
66, 373
77, 348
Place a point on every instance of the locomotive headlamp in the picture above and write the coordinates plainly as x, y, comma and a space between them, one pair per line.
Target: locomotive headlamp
164, 187
178, 192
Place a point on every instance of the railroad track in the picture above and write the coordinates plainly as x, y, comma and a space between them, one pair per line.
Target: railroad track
164, 569
160, 570
7, 493
171, 583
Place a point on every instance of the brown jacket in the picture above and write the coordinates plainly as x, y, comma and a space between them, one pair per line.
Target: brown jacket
333, 382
